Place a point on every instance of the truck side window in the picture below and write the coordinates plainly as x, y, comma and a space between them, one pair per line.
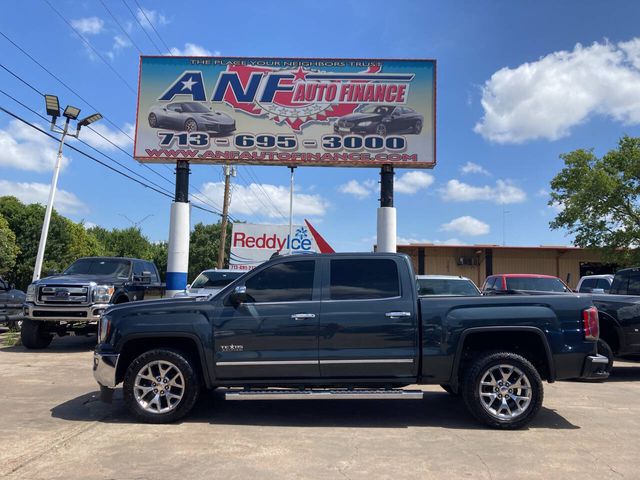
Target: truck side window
364, 279
283, 282
620, 284
588, 284
149, 267
138, 268
634, 284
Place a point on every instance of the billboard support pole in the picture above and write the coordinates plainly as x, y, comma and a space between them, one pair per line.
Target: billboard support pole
386, 230
179, 229
291, 209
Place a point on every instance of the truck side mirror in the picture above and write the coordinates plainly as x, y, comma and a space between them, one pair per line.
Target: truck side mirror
239, 296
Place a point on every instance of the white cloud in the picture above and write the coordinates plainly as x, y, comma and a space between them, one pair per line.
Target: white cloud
360, 190
502, 193
413, 181
546, 98
65, 202
412, 240
156, 18
122, 140
119, 43
193, 50
466, 225
26, 149
471, 167
542, 193
88, 25
251, 200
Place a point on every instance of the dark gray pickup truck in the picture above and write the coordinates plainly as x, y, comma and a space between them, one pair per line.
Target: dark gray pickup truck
345, 326
73, 301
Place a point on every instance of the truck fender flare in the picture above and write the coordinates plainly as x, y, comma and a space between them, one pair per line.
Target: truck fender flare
170, 335
469, 331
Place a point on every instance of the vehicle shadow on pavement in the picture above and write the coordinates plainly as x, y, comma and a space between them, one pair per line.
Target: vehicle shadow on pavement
68, 344
627, 373
435, 410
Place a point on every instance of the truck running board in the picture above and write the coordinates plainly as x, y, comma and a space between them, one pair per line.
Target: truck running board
320, 394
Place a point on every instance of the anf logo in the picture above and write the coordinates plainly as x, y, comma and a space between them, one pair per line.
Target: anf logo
189, 83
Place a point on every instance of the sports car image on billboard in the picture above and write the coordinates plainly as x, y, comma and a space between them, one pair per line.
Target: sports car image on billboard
380, 120
190, 117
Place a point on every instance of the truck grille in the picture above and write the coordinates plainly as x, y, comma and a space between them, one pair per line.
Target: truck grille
63, 295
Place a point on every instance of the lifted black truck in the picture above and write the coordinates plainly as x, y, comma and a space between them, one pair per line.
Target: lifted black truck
73, 301
345, 326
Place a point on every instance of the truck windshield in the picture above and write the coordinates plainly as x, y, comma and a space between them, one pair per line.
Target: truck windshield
536, 284
446, 286
195, 108
95, 266
214, 279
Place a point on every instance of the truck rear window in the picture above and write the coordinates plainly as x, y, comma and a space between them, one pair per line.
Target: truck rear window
446, 286
357, 279
535, 284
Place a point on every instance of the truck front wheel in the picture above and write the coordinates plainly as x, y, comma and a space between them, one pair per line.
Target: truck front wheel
34, 336
503, 390
160, 386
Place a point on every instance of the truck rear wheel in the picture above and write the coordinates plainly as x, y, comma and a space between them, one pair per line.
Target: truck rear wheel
160, 386
33, 335
503, 390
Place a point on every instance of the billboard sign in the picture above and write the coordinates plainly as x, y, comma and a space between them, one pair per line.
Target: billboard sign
253, 244
286, 111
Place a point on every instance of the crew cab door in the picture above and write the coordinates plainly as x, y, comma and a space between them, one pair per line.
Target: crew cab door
275, 333
368, 319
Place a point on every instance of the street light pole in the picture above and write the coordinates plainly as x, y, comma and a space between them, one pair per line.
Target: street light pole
70, 113
47, 214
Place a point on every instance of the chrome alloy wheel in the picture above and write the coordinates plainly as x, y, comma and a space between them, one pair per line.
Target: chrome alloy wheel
159, 387
190, 126
505, 391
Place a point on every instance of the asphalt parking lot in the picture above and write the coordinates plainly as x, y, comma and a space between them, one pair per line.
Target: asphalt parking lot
54, 426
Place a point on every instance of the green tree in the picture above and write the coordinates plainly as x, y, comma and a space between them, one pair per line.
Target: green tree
126, 242
204, 245
599, 199
159, 254
8, 248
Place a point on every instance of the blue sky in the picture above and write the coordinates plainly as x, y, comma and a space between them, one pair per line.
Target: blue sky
515, 90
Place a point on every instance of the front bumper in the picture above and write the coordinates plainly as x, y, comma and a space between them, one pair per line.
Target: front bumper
595, 367
104, 368
66, 313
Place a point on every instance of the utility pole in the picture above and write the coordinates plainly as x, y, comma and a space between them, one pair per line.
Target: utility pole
228, 173
291, 208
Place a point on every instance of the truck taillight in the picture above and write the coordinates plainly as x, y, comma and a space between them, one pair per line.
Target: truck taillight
590, 323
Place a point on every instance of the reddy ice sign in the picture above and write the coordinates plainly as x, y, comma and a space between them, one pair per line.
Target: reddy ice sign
253, 244
286, 111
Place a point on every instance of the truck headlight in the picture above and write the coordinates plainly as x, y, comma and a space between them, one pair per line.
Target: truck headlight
103, 293
365, 124
31, 293
104, 326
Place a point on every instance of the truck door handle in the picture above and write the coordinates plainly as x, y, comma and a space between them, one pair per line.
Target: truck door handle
303, 316
398, 314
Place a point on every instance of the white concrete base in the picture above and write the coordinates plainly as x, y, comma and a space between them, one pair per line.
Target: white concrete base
387, 234
178, 258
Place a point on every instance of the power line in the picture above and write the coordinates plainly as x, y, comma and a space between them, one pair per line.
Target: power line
121, 27
143, 29
154, 28
91, 47
91, 157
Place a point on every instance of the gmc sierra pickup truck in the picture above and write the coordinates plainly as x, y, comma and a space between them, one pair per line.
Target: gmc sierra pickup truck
345, 326
74, 300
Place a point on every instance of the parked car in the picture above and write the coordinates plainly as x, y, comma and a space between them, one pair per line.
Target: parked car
381, 120
345, 326
523, 282
73, 301
11, 301
210, 282
446, 285
595, 284
190, 117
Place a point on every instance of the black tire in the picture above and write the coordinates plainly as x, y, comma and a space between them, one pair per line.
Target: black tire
480, 369
381, 130
607, 351
153, 120
417, 127
191, 386
449, 390
33, 336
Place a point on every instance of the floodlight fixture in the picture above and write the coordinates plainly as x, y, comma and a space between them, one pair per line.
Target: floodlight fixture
53, 106
71, 112
89, 120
